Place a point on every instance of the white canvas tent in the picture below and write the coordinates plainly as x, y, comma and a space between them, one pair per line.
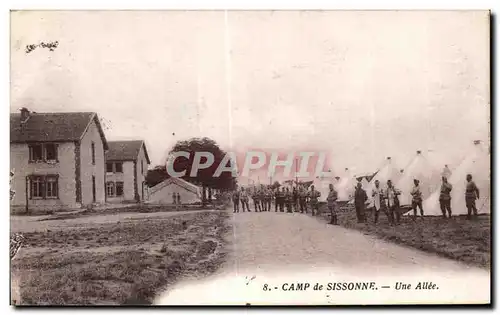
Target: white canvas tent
477, 163
387, 172
419, 168
446, 172
322, 184
345, 186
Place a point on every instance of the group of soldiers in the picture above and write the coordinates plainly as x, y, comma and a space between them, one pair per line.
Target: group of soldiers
294, 200
385, 199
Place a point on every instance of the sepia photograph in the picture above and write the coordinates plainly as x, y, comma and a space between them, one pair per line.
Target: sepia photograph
250, 157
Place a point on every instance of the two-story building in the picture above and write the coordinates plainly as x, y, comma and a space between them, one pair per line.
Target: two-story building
57, 159
126, 169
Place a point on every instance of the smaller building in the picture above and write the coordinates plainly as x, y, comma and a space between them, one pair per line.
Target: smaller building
163, 192
126, 169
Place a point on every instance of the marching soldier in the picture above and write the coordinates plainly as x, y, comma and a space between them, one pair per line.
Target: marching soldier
471, 194
244, 200
445, 197
313, 200
332, 204
262, 199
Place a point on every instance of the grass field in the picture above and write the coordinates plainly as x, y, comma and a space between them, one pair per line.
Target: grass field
127, 262
456, 238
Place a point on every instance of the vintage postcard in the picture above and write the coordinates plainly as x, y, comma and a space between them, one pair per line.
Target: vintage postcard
250, 157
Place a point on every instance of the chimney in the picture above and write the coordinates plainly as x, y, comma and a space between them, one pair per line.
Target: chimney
419, 152
25, 114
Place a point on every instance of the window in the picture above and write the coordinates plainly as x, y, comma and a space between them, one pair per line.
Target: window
45, 187
110, 189
92, 146
118, 167
142, 167
37, 187
109, 167
36, 152
51, 184
43, 152
119, 189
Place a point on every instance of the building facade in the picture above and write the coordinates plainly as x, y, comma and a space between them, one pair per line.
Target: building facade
126, 169
57, 160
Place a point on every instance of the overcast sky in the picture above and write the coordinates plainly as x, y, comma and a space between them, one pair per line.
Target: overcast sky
361, 85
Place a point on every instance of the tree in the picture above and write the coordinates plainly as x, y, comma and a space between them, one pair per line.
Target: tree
203, 177
156, 175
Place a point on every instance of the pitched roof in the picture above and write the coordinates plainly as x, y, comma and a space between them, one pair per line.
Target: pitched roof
125, 150
178, 181
52, 127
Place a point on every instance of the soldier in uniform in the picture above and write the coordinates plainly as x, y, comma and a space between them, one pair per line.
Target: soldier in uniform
276, 199
255, 198
445, 197
268, 198
313, 200
471, 194
295, 195
302, 199
288, 200
393, 202
332, 204
236, 201
416, 199
262, 199
378, 200
282, 195
360, 198
244, 200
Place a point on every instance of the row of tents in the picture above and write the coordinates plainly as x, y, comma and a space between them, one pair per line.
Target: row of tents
476, 163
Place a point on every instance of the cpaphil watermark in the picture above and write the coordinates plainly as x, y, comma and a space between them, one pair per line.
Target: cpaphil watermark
300, 164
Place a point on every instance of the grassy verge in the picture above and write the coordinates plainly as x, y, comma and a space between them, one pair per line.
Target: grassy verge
456, 238
123, 263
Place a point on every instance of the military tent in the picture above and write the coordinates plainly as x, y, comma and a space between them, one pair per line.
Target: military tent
419, 168
477, 163
345, 186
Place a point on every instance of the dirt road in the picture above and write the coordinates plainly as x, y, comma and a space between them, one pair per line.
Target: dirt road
271, 251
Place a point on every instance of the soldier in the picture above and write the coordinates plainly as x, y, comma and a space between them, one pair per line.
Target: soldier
282, 195
332, 204
268, 198
416, 199
288, 200
303, 199
262, 199
445, 197
471, 194
236, 201
276, 199
378, 200
360, 198
313, 200
393, 202
255, 198
295, 203
244, 200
